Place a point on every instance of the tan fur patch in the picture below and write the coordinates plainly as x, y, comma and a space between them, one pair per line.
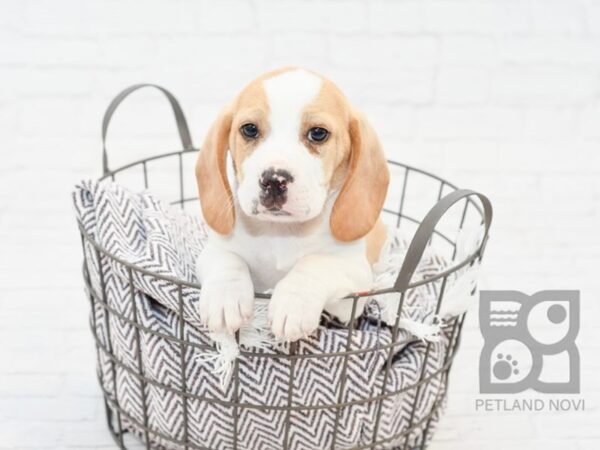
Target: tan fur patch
375, 241
250, 106
329, 110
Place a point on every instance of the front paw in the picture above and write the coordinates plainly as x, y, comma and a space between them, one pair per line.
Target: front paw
226, 303
294, 311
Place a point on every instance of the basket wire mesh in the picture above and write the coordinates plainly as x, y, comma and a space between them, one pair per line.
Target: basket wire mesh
428, 231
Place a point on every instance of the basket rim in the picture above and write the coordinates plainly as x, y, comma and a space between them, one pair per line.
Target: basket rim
469, 260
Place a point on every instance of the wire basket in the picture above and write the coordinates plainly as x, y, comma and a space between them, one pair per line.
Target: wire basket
412, 191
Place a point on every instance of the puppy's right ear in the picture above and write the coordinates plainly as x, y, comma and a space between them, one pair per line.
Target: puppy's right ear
211, 175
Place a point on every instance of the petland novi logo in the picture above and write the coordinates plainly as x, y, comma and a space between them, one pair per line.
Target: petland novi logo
529, 342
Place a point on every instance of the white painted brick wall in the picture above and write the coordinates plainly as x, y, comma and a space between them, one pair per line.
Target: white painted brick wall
501, 96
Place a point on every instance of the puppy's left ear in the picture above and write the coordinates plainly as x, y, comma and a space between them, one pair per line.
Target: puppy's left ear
361, 198
211, 175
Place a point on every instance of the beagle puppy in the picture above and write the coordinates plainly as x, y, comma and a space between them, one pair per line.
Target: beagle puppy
300, 214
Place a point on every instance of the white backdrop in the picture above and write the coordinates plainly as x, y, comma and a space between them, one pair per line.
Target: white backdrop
499, 96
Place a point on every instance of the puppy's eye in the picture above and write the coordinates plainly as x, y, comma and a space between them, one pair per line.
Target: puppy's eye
317, 135
249, 130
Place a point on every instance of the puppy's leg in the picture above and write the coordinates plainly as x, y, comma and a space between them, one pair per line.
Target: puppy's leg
227, 295
316, 282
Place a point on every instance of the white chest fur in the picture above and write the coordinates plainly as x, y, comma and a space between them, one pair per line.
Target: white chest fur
308, 270
271, 257
272, 249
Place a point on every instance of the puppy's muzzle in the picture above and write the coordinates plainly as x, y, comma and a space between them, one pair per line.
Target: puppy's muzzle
273, 188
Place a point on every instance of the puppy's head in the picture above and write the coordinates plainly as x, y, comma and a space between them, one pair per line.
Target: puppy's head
294, 139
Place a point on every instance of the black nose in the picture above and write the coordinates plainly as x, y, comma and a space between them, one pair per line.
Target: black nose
273, 185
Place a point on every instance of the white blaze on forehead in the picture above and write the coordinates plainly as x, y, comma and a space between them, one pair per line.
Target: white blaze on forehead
288, 94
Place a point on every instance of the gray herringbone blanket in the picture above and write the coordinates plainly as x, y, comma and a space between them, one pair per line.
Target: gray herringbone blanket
140, 229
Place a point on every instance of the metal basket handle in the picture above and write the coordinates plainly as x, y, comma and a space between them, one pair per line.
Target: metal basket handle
427, 227
182, 126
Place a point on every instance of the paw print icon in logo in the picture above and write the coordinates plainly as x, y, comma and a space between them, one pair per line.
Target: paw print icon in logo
529, 342
505, 367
